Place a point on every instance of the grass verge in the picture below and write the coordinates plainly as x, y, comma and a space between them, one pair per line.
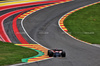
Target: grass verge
85, 24
12, 54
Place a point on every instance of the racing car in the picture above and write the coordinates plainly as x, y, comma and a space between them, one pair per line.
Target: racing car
56, 53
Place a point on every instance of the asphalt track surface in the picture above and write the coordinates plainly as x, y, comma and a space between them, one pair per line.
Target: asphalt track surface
43, 27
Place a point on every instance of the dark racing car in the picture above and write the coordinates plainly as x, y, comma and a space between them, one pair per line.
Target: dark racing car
56, 53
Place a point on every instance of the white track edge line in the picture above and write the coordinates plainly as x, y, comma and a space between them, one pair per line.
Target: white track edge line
32, 39
26, 31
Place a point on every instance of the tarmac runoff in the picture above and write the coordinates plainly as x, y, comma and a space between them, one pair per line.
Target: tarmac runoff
41, 50
44, 50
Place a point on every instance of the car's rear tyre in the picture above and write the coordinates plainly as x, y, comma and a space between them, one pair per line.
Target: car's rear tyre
63, 54
50, 53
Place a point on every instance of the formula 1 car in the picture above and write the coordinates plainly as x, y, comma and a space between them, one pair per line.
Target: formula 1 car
56, 53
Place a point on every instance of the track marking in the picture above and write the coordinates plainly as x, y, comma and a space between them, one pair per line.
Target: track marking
2, 31
36, 42
34, 12
38, 47
42, 7
16, 31
18, 64
2, 18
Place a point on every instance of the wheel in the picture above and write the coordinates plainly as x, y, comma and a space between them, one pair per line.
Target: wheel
63, 54
50, 53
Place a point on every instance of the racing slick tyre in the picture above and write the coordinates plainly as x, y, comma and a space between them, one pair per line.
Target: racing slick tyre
63, 54
50, 53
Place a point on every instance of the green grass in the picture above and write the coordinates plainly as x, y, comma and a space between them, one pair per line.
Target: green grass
11, 54
85, 24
